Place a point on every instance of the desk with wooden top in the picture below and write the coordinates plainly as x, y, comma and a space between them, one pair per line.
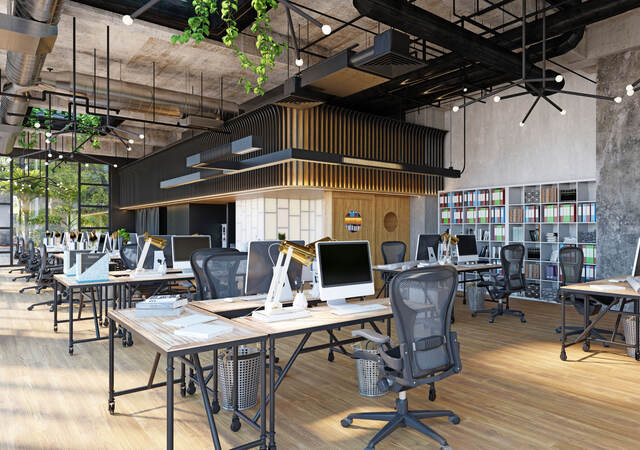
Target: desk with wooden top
320, 319
162, 339
97, 292
619, 292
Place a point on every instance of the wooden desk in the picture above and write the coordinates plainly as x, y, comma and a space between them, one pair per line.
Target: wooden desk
161, 337
619, 292
97, 293
320, 319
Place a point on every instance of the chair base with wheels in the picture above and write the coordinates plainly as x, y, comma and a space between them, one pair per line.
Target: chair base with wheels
402, 417
501, 310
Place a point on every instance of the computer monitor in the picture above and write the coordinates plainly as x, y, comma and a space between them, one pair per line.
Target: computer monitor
467, 248
168, 254
184, 246
344, 270
262, 257
426, 241
636, 262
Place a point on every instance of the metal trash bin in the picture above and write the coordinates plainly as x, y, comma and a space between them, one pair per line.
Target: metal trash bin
629, 326
368, 373
248, 377
475, 297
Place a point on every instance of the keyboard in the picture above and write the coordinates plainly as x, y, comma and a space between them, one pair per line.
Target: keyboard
246, 298
278, 315
344, 310
634, 282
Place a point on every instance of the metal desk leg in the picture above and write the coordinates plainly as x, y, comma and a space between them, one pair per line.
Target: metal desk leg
169, 402
464, 288
215, 404
586, 345
55, 305
272, 394
112, 401
263, 394
636, 308
563, 353
70, 298
205, 400
235, 420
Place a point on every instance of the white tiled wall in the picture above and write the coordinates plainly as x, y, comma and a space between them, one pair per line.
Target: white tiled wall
263, 218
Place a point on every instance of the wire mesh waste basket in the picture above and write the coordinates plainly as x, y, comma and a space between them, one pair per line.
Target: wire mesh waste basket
248, 377
475, 296
629, 326
368, 373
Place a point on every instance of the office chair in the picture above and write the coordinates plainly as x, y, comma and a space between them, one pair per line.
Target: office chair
392, 252
47, 270
428, 351
501, 287
225, 274
21, 256
571, 263
32, 264
198, 260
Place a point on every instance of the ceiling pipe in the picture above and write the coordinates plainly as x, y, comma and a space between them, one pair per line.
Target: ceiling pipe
139, 97
23, 70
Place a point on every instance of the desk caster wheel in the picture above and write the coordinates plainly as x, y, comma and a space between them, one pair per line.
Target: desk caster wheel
523, 320
454, 419
124, 342
215, 406
130, 341
563, 355
30, 308
445, 447
183, 392
346, 422
235, 424
330, 358
71, 350
191, 389
432, 394
51, 308
491, 320
105, 323
586, 346
474, 314
55, 328
112, 408
637, 356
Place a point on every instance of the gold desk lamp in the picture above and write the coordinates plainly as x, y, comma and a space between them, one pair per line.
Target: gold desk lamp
159, 243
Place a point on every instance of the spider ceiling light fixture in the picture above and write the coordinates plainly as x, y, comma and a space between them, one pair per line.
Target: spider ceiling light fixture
538, 86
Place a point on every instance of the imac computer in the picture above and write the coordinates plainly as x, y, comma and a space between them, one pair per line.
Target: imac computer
260, 261
467, 249
427, 243
344, 270
184, 246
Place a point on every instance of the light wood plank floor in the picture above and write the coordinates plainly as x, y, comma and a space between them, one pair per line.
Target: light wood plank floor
513, 392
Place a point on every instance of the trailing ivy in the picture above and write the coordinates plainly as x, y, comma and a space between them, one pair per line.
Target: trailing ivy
87, 127
269, 49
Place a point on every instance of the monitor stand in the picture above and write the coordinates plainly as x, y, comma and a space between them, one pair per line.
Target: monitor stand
336, 302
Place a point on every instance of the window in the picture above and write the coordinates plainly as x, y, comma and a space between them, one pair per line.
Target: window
94, 197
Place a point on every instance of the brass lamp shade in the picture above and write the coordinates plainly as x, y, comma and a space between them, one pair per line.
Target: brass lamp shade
304, 254
158, 242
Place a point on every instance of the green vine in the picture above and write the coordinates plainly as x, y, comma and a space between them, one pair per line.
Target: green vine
269, 49
87, 126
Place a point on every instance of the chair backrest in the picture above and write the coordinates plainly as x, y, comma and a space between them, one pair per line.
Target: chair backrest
512, 258
225, 273
422, 303
43, 262
198, 260
129, 256
393, 251
571, 262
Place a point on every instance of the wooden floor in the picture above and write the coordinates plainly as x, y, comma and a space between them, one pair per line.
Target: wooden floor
513, 392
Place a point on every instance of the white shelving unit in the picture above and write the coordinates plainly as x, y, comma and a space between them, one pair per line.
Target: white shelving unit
543, 217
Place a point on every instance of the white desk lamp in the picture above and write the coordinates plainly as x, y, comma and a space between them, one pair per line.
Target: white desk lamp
149, 240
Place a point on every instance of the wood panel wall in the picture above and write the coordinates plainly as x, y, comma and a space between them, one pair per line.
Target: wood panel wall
373, 209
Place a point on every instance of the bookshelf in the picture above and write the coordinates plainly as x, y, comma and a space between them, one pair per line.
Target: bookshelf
543, 217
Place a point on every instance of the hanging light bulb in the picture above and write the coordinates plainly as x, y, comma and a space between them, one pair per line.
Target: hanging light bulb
86, 164
46, 163
465, 89
131, 141
36, 125
115, 166
563, 112
299, 62
559, 78
49, 155
141, 136
127, 20
129, 148
521, 124
48, 134
496, 99
326, 29
618, 99
629, 87
630, 90
456, 108
60, 156
47, 141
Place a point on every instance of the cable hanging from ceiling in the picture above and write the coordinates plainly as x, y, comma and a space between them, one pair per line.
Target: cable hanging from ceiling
539, 87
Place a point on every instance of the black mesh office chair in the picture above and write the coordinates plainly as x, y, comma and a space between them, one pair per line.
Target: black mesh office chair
501, 287
392, 252
32, 264
571, 261
48, 268
129, 256
198, 260
422, 303
21, 256
225, 273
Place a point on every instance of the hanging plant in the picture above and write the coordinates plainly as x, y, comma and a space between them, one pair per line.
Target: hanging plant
269, 49
87, 127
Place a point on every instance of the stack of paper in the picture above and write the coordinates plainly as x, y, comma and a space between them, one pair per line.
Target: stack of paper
160, 306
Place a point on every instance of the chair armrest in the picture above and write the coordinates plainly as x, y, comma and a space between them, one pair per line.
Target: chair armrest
371, 335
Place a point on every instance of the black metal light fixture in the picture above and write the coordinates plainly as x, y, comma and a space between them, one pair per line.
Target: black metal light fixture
529, 86
128, 18
326, 29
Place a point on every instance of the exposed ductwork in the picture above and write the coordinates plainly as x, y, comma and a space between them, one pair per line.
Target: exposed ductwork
23, 69
444, 76
139, 97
